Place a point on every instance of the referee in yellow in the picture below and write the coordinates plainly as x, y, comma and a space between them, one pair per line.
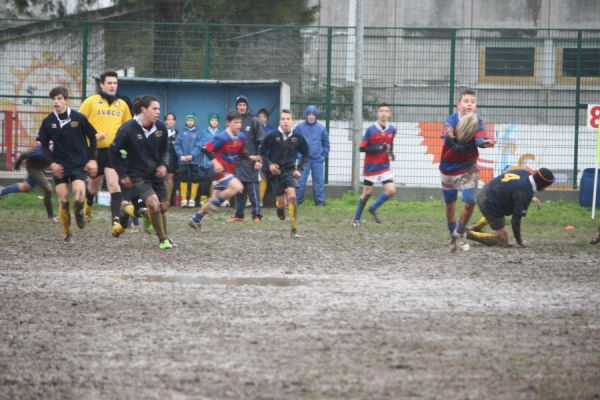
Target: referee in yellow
106, 112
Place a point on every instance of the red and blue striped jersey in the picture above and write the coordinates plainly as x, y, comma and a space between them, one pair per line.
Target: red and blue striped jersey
377, 163
227, 149
457, 162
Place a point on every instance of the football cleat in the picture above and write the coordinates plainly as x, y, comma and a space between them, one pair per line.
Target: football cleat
68, 239
194, 225
596, 238
375, 216
191, 204
236, 219
53, 219
117, 229
184, 203
173, 244
460, 241
257, 219
281, 213
165, 244
356, 223
294, 234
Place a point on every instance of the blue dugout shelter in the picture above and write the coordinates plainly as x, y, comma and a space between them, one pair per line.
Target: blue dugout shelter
204, 97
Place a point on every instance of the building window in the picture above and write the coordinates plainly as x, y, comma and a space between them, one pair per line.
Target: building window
508, 64
589, 67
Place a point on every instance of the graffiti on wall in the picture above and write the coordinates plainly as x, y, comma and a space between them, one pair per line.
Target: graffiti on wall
30, 103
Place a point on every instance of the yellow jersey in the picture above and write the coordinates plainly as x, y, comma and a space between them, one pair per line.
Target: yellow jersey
105, 118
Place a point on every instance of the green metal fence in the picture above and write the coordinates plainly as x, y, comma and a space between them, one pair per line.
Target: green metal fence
533, 85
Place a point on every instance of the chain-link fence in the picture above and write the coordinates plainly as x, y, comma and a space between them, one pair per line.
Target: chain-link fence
532, 85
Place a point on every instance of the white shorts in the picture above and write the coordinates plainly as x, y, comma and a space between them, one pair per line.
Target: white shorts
468, 180
386, 176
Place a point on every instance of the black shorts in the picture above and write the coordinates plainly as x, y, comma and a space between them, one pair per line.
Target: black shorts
147, 187
103, 160
369, 183
281, 182
70, 175
495, 219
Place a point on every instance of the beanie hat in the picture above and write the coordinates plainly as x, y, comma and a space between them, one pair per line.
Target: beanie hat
543, 178
191, 116
213, 116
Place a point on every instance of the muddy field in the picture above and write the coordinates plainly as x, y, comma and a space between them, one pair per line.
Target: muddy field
242, 311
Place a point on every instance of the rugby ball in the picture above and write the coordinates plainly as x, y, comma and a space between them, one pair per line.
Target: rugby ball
467, 127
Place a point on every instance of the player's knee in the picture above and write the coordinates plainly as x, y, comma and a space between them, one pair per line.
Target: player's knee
469, 196
450, 195
164, 206
153, 205
390, 191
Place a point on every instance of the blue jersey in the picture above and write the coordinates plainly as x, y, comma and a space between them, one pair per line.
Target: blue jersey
377, 162
509, 194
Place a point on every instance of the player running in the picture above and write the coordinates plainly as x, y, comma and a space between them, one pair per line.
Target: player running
224, 150
144, 141
279, 152
73, 154
378, 144
36, 162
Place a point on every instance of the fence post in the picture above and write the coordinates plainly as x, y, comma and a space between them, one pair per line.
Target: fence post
577, 99
452, 69
8, 139
84, 59
328, 93
206, 51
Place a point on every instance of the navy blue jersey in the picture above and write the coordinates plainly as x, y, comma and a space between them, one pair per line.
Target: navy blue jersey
509, 194
145, 149
73, 138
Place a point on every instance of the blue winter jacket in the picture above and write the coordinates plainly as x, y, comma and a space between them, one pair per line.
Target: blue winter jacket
185, 144
201, 141
315, 134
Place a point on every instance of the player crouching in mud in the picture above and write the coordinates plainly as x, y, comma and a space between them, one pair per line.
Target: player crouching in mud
508, 194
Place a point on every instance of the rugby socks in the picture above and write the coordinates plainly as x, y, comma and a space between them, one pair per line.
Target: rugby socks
183, 190
380, 200
14, 188
169, 190
163, 215
89, 197
488, 239
480, 224
262, 189
78, 208
459, 228
115, 204
451, 226
157, 224
360, 207
194, 192
48, 204
197, 217
292, 208
217, 200
65, 218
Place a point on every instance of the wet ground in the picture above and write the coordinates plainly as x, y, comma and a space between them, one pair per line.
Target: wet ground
243, 311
